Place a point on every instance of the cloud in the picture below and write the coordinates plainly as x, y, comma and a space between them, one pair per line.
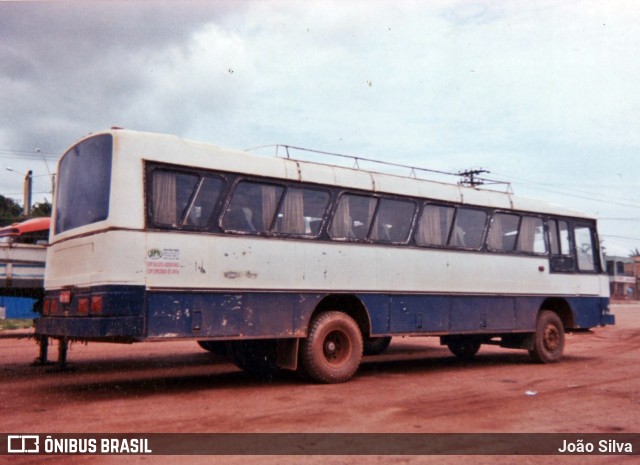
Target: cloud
537, 90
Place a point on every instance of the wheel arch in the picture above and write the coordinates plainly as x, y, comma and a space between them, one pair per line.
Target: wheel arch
288, 349
562, 308
349, 304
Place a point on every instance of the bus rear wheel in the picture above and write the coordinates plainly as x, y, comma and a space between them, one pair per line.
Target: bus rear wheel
548, 344
332, 351
257, 357
215, 347
375, 345
465, 348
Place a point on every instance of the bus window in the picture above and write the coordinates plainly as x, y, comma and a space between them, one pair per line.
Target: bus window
353, 216
252, 207
559, 237
468, 228
584, 246
84, 184
301, 211
171, 191
207, 195
435, 224
393, 221
503, 232
531, 237
562, 258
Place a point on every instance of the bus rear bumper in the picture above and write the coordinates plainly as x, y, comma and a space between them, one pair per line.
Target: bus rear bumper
121, 328
607, 319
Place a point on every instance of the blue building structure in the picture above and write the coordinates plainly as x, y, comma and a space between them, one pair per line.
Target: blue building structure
18, 307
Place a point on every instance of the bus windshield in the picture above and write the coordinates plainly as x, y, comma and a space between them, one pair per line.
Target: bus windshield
84, 184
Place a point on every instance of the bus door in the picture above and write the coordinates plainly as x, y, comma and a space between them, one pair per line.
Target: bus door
562, 257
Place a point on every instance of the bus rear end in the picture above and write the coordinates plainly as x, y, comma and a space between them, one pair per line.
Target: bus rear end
89, 296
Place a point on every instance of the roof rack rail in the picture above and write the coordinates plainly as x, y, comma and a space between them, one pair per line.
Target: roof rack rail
468, 178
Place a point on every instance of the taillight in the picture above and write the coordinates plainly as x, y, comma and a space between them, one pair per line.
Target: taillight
65, 297
83, 306
54, 306
46, 309
96, 304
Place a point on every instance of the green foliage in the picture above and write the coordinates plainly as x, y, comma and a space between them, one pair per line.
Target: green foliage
10, 211
41, 209
15, 324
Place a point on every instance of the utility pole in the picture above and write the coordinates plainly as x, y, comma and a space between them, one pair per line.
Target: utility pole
28, 188
469, 177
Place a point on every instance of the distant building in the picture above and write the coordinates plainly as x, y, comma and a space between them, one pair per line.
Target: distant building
623, 275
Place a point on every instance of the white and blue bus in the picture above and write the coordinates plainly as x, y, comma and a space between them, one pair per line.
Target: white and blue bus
283, 263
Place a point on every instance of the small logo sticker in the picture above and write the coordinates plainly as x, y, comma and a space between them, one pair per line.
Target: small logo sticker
154, 254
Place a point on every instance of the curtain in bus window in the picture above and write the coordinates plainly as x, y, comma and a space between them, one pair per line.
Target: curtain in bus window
393, 221
434, 226
468, 228
292, 220
362, 209
341, 225
171, 194
494, 241
553, 237
584, 247
164, 198
302, 211
252, 207
268, 206
503, 232
531, 237
353, 216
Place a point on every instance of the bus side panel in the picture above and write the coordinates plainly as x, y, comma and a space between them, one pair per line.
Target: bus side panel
377, 306
220, 315
590, 312
415, 313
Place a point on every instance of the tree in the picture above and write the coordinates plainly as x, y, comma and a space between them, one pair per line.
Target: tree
41, 209
10, 211
634, 253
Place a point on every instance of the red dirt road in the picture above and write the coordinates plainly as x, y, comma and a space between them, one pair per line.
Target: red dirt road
416, 387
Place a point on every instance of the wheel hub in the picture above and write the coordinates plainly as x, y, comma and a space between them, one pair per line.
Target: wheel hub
551, 337
335, 347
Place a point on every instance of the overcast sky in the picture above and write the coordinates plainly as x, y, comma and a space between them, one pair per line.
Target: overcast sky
543, 94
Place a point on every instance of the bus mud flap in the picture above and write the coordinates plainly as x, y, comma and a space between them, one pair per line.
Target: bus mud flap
287, 353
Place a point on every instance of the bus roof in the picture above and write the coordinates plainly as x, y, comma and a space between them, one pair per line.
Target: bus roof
32, 225
163, 148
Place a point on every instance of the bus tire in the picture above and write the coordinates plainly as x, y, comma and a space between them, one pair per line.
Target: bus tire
332, 351
548, 340
257, 357
375, 345
465, 348
215, 347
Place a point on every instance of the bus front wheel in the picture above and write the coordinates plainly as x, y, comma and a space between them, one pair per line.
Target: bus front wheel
332, 351
548, 344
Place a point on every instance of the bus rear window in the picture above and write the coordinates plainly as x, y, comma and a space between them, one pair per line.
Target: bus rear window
84, 180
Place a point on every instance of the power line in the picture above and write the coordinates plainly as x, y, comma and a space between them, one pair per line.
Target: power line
620, 237
576, 193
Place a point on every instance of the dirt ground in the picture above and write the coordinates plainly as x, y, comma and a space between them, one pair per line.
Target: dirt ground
417, 386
